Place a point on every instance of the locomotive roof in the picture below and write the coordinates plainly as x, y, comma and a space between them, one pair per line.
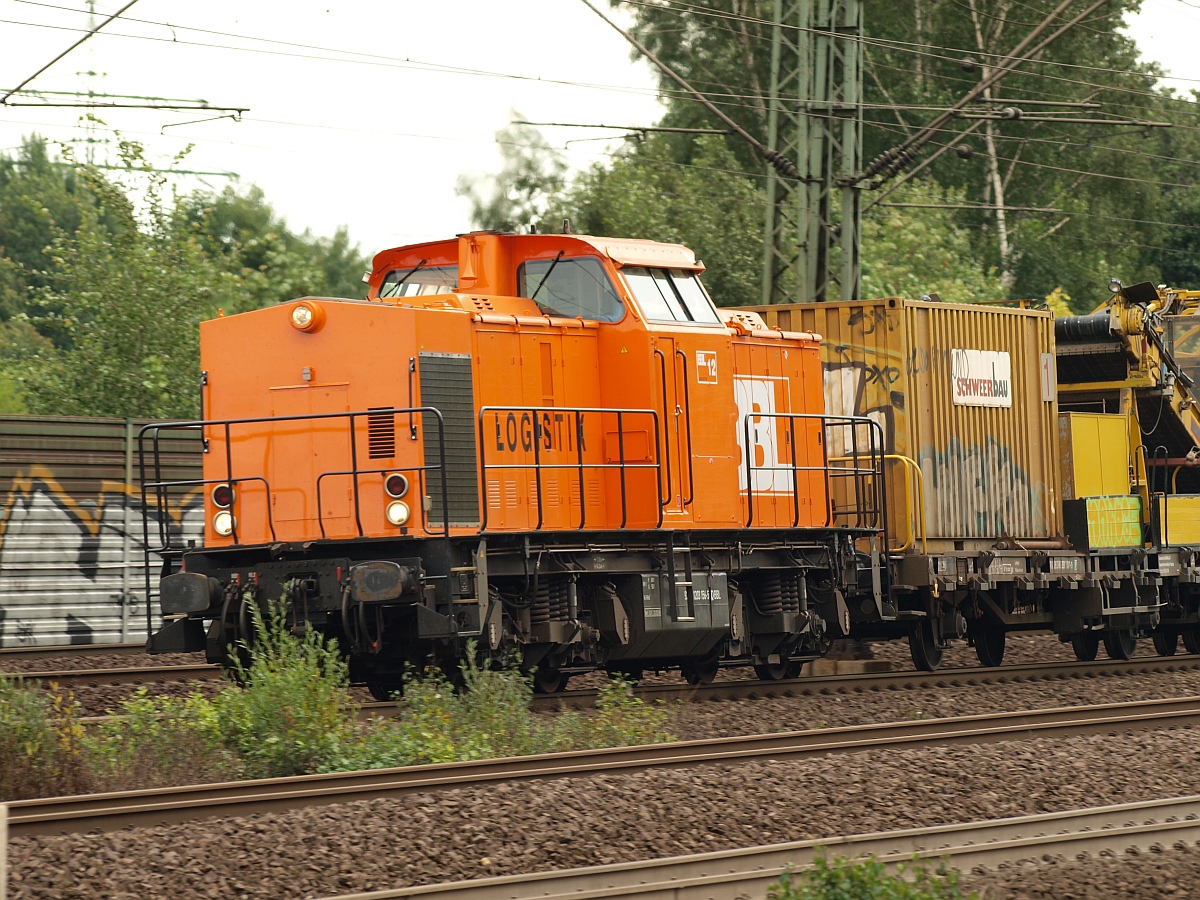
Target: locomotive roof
623, 251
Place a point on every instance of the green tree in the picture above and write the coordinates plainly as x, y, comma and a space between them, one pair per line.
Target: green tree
518, 196
908, 252
130, 300
923, 56
245, 233
707, 205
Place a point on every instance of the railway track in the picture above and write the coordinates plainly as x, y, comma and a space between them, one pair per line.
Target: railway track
882, 681
747, 689
153, 807
732, 874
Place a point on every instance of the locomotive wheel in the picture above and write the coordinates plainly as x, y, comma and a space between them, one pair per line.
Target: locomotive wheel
771, 671
989, 644
922, 646
1120, 644
1086, 645
794, 668
1191, 639
700, 671
547, 680
1166, 641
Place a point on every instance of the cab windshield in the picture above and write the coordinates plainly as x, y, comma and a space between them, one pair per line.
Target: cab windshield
670, 295
570, 287
415, 283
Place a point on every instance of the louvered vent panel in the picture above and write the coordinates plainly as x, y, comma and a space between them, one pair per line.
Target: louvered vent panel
446, 385
381, 435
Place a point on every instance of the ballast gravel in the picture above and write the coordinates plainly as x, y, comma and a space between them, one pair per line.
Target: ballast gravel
592, 820
833, 708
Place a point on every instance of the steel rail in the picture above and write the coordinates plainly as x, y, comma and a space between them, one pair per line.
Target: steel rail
126, 676
60, 815
71, 650
732, 874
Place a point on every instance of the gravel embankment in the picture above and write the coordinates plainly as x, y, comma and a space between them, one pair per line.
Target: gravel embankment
474, 832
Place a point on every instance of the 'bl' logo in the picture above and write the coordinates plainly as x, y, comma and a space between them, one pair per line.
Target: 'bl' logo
756, 405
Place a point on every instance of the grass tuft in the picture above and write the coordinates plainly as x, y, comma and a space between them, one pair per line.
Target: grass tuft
869, 879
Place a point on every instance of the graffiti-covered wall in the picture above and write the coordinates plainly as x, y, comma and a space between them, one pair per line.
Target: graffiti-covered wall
71, 545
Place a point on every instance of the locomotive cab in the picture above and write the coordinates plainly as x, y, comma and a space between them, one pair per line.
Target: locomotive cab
554, 446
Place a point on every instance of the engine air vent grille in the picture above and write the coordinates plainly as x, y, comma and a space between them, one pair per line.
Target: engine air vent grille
381, 435
447, 385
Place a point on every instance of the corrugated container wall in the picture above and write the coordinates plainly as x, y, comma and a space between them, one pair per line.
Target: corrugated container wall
965, 392
71, 560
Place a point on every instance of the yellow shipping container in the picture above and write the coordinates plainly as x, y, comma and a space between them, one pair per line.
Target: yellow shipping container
966, 397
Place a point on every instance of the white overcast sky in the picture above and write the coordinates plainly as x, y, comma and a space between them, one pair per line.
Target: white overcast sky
374, 110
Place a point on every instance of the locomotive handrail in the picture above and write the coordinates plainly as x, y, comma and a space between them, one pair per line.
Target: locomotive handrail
910, 465
664, 496
161, 487
691, 461
578, 464
861, 474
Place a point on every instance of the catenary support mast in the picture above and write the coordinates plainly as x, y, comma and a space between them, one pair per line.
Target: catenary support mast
811, 246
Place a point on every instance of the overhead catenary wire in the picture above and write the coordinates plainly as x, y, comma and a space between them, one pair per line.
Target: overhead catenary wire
782, 164
90, 32
359, 57
889, 163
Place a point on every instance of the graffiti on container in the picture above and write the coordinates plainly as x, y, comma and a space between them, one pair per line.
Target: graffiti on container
71, 566
873, 318
856, 388
980, 491
922, 359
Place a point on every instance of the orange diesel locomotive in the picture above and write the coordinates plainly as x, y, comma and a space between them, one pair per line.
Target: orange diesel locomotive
547, 444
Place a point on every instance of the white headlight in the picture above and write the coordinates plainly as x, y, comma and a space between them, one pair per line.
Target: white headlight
397, 512
302, 316
223, 523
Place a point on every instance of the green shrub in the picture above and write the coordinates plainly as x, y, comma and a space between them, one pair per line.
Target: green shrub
294, 712
158, 742
41, 741
620, 720
868, 879
491, 716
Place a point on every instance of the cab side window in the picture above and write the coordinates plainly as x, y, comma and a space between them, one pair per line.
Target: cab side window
670, 295
570, 288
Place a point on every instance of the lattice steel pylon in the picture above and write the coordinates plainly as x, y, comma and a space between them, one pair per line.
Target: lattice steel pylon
811, 249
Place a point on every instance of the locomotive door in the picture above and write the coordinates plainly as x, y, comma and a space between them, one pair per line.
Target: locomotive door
673, 390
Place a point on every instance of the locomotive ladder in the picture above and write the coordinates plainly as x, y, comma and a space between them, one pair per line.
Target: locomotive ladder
673, 577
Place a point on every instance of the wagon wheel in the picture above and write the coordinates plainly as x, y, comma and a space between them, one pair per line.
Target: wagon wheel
1086, 645
549, 680
771, 671
1120, 644
1191, 639
923, 646
1166, 641
700, 671
989, 642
